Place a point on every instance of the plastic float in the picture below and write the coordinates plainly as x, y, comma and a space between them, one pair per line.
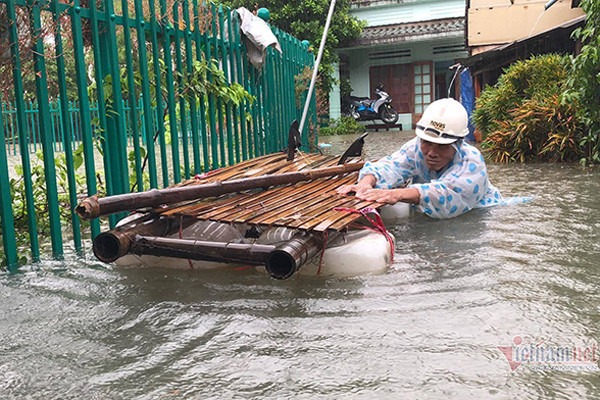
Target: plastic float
276, 251
275, 212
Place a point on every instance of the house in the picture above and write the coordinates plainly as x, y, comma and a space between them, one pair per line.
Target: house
500, 32
409, 46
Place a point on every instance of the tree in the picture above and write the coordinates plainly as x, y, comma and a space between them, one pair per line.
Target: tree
584, 80
305, 19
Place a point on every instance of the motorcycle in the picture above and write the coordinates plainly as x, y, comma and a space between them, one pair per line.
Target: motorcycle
366, 109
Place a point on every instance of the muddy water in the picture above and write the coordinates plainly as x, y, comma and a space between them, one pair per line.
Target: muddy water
521, 281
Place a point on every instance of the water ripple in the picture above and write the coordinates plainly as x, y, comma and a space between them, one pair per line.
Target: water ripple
458, 293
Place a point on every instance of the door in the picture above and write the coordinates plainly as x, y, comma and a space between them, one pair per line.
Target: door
396, 80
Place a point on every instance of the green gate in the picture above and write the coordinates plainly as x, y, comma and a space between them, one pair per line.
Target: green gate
127, 96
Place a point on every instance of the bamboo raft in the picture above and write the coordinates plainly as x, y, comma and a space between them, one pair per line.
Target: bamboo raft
312, 206
296, 193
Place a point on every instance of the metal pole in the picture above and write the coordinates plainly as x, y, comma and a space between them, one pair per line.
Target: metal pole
549, 4
317, 62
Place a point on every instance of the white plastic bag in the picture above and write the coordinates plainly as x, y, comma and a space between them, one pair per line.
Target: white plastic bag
259, 37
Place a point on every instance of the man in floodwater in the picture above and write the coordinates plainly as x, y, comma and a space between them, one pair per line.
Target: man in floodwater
436, 171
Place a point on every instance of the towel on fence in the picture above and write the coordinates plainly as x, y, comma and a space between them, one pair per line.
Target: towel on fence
259, 37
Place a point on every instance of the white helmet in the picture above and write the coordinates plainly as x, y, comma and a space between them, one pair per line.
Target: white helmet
444, 121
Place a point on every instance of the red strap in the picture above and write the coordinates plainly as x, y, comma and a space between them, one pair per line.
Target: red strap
376, 221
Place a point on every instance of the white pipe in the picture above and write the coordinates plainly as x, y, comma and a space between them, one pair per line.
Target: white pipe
317, 62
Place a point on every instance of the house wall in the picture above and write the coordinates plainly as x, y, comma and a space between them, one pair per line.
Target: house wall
390, 12
496, 22
405, 54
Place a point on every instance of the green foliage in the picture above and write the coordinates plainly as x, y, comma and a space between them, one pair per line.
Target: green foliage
38, 179
207, 78
540, 129
537, 78
583, 82
345, 87
306, 20
546, 108
344, 125
522, 116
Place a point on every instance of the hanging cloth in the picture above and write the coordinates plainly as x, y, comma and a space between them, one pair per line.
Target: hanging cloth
258, 37
467, 98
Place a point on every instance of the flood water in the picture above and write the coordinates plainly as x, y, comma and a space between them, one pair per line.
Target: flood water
521, 280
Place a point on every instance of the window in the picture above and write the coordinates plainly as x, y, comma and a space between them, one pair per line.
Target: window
423, 86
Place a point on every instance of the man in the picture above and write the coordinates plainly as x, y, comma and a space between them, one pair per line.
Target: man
436, 171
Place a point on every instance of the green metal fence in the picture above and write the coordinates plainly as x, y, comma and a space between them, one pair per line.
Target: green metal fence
70, 72
11, 133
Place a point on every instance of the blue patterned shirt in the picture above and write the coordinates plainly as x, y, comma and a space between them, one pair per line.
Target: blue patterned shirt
459, 187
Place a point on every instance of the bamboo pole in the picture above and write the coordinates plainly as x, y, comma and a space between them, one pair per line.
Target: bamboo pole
281, 262
111, 245
202, 250
93, 207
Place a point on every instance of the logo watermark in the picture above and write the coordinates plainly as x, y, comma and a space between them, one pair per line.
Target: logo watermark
546, 357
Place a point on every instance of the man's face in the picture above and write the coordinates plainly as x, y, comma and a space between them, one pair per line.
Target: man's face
437, 156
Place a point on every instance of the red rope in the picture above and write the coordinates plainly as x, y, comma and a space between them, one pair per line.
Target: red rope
376, 221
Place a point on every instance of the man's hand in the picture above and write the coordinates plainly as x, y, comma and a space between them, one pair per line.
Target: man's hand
366, 183
356, 188
388, 196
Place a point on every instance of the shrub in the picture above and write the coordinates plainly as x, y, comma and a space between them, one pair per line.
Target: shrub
537, 130
523, 117
344, 125
537, 78
583, 82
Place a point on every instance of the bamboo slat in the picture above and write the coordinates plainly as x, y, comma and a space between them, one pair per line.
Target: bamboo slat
307, 205
283, 200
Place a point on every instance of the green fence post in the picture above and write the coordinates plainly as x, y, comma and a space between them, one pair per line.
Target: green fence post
225, 65
132, 99
41, 84
7, 221
199, 39
66, 127
255, 86
181, 90
101, 113
269, 98
211, 112
85, 110
160, 110
146, 97
167, 32
219, 103
241, 78
191, 97
23, 131
115, 117
234, 77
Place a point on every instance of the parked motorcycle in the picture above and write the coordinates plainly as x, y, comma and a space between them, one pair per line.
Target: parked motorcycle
366, 109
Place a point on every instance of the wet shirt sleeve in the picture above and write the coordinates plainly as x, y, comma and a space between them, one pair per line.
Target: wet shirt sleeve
394, 170
464, 186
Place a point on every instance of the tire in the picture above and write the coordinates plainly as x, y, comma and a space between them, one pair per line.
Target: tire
388, 114
346, 110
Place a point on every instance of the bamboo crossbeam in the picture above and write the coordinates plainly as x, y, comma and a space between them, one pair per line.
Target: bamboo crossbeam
93, 207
